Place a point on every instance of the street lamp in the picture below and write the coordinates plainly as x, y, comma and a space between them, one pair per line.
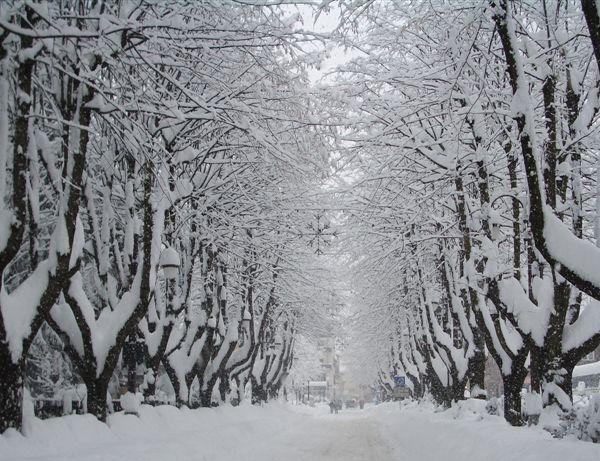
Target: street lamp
169, 262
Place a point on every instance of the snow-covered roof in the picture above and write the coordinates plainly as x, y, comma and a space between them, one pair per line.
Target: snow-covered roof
587, 369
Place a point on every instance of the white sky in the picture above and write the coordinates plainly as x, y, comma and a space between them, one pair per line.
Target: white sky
326, 23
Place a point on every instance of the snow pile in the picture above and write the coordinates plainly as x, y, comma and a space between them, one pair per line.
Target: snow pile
495, 406
161, 433
470, 409
130, 403
584, 420
466, 431
532, 404
385, 432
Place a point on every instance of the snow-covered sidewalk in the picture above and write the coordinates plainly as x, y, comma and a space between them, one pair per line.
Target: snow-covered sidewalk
465, 432
280, 432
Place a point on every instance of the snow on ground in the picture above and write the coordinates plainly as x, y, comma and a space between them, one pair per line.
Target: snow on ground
281, 432
416, 432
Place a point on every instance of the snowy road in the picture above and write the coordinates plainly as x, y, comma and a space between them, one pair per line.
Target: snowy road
287, 433
348, 436
223, 434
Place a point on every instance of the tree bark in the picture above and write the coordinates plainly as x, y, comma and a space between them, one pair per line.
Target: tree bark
179, 401
97, 389
11, 391
205, 397
259, 393
476, 373
512, 398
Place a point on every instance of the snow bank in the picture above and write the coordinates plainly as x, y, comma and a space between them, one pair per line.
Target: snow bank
130, 403
532, 404
162, 433
417, 432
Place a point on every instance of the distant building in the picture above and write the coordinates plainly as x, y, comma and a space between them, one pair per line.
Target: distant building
317, 390
493, 378
587, 371
330, 368
593, 356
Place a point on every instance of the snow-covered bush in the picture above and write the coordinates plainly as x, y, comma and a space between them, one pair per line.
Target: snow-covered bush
469, 409
495, 406
532, 407
583, 421
130, 403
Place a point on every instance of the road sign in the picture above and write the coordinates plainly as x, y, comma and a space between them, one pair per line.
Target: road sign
400, 381
401, 393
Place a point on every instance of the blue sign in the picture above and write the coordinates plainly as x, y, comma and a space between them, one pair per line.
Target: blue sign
400, 381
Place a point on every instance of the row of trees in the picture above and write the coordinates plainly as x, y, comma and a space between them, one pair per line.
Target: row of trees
157, 184
472, 151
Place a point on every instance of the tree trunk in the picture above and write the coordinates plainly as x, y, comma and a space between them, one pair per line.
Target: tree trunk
567, 381
417, 386
536, 368
477, 373
206, 397
240, 381
150, 390
129, 353
548, 361
11, 391
512, 399
97, 389
179, 401
11, 374
259, 393
224, 387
